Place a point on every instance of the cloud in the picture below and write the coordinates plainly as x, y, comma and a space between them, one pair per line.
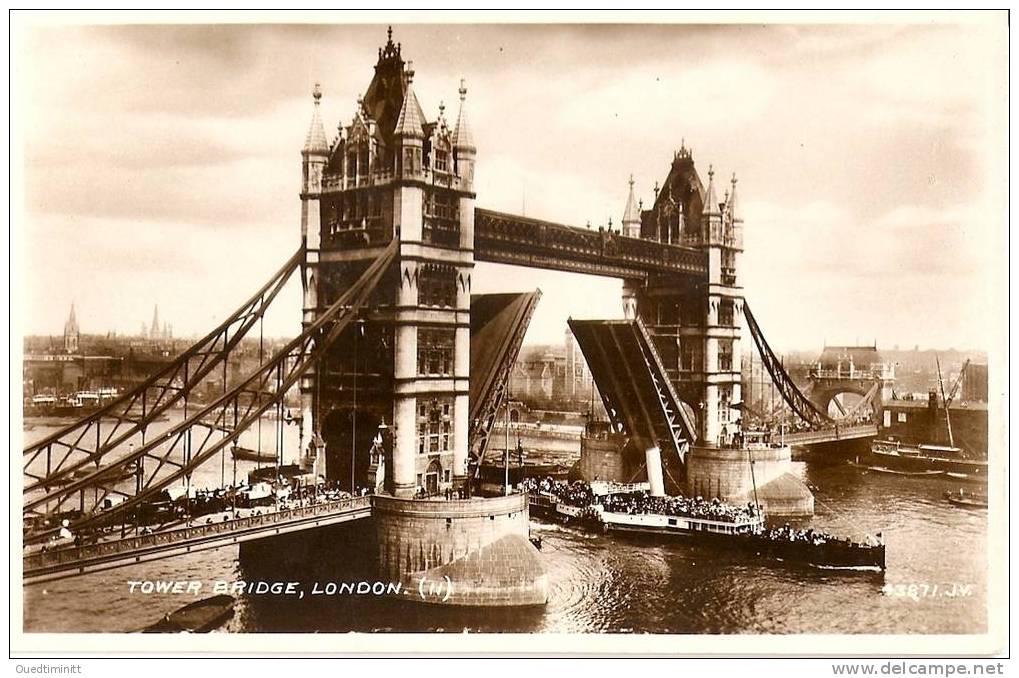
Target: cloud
163, 161
820, 273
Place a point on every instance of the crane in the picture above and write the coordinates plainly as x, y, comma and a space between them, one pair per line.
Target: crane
955, 386
947, 400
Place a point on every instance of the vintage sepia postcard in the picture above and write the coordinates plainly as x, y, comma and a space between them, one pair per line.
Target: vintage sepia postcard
545, 332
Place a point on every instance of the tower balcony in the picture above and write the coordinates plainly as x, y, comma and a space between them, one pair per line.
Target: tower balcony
336, 183
441, 230
364, 232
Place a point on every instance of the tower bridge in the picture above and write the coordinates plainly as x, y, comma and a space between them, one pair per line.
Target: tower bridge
401, 370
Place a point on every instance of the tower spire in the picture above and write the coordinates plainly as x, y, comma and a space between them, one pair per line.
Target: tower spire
315, 141
462, 136
409, 123
732, 201
710, 206
631, 215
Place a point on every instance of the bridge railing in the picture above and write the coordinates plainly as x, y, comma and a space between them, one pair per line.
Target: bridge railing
142, 542
837, 432
862, 374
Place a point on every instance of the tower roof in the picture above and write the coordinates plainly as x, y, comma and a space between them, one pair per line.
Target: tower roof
711, 200
71, 326
733, 204
631, 214
315, 142
462, 136
410, 122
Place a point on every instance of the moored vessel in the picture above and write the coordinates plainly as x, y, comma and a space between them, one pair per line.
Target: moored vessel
895, 457
927, 459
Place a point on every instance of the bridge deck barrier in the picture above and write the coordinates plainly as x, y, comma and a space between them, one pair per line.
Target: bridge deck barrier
831, 434
127, 548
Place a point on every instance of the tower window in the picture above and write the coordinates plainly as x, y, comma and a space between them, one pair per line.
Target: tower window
434, 425
726, 316
725, 355
435, 351
437, 285
724, 400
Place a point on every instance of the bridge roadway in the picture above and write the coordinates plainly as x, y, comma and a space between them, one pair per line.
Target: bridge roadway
61, 563
827, 435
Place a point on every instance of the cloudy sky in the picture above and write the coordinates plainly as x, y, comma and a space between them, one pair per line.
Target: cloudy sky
162, 165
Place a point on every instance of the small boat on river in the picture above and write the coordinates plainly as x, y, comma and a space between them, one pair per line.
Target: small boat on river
198, 617
967, 499
245, 454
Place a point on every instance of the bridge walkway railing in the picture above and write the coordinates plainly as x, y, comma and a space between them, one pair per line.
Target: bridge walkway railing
104, 550
848, 432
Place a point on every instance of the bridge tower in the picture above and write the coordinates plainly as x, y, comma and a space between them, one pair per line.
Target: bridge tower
696, 327
389, 407
403, 370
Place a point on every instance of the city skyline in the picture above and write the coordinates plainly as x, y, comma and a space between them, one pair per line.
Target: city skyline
212, 162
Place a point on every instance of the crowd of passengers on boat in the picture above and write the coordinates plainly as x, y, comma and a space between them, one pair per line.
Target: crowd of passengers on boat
580, 494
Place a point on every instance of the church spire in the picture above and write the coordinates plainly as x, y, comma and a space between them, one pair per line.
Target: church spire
462, 136
72, 321
315, 142
71, 332
154, 327
631, 215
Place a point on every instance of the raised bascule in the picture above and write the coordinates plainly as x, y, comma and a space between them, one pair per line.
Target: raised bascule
401, 370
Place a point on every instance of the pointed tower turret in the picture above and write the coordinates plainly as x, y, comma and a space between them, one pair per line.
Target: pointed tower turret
314, 156
464, 149
711, 213
711, 199
732, 204
409, 123
631, 215
733, 218
409, 133
315, 142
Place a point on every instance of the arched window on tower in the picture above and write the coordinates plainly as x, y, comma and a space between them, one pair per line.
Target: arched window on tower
441, 160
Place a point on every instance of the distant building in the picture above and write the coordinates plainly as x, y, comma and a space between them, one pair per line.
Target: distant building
578, 380
72, 335
554, 377
848, 360
157, 332
974, 383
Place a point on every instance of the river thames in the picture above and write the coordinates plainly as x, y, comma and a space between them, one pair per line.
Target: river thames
935, 583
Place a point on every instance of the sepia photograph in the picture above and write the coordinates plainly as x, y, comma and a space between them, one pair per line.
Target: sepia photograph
593, 333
